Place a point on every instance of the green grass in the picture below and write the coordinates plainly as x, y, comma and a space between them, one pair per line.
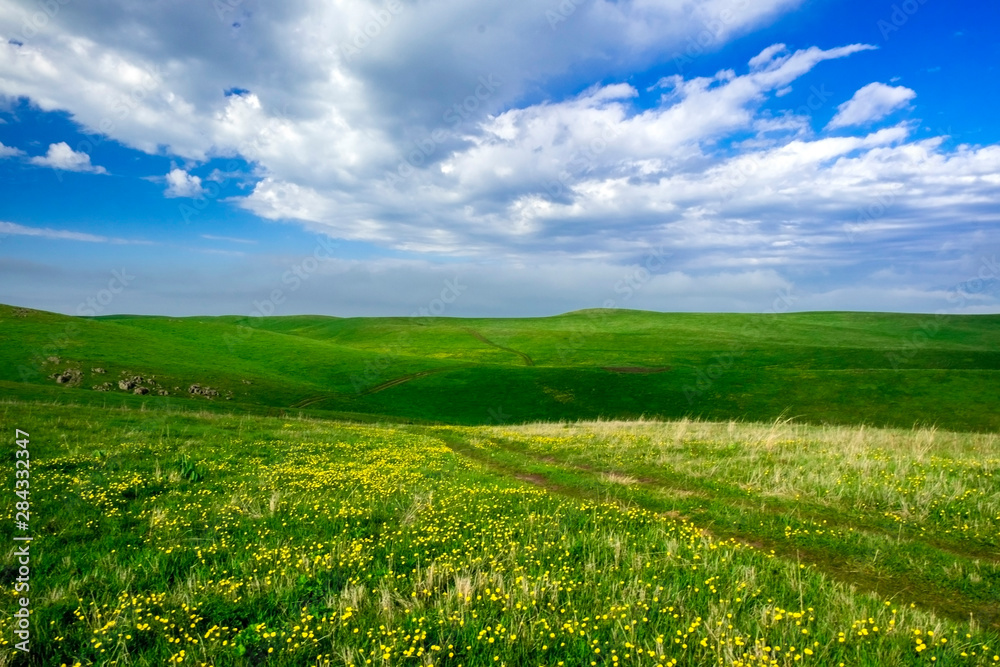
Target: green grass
898, 511
180, 537
834, 368
392, 491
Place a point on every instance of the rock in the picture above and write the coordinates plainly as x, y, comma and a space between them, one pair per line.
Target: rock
98, 370
162, 392
207, 392
105, 386
130, 383
53, 360
141, 391
68, 376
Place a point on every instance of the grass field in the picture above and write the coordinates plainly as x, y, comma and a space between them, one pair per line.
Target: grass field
174, 537
836, 368
598, 488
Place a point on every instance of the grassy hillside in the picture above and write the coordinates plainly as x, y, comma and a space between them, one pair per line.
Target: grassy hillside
839, 368
176, 538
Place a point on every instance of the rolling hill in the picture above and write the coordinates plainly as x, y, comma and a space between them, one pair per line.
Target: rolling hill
830, 367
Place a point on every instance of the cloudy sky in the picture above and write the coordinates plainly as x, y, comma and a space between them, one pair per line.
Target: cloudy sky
499, 157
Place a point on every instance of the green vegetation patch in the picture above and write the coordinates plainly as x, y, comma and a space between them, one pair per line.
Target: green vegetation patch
168, 537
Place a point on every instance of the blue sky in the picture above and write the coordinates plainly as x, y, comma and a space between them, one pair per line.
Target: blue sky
523, 158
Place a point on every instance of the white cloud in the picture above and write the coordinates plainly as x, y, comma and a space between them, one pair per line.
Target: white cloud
768, 57
402, 144
101, 66
230, 239
9, 151
869, 104
182, 184
508, 185
61, 156
62, 234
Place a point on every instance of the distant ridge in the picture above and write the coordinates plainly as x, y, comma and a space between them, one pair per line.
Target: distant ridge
823, 367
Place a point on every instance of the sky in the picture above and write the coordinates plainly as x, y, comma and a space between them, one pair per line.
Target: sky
500, 158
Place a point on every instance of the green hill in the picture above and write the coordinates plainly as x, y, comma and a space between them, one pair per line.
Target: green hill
834, 367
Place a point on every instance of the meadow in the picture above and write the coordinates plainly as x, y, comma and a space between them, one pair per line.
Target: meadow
880, 369
166, 536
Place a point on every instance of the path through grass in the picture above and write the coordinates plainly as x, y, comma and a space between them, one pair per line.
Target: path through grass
308, 542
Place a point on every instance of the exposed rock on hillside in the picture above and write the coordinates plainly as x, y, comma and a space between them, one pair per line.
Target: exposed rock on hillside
207, 392
70, 376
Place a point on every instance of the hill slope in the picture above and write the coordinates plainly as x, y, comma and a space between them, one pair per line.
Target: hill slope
878, 368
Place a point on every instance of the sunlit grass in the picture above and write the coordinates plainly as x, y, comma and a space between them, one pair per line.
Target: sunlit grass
317, 543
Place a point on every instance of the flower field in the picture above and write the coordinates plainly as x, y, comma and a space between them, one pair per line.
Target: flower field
183, 539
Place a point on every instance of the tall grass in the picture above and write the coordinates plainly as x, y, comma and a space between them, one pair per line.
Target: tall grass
306, 542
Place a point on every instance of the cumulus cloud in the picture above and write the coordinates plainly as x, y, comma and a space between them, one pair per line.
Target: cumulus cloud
345, 68
869, 104
428, 128
532, 174
182, 184
9, 151
61, 156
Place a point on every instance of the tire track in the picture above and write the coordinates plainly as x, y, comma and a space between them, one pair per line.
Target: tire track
528, 361
401, 379
532, 470
312, 400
